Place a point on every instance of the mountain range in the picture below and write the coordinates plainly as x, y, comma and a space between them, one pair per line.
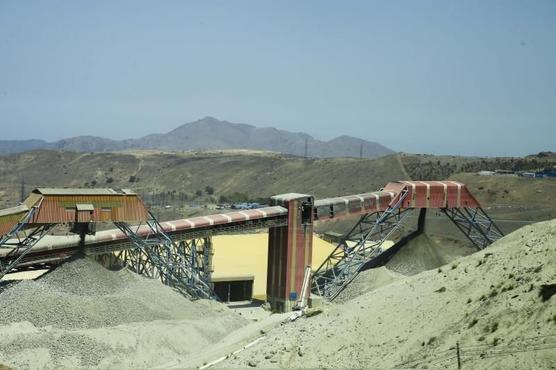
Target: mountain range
211, 133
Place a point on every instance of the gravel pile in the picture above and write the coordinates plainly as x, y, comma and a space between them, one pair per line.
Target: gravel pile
83, 294
83, 315
86, 351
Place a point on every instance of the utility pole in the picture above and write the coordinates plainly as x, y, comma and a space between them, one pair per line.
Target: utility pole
361, 151
306, 148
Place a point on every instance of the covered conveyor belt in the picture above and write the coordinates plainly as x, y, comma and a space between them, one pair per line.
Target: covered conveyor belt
382, 213
55, 248
421, 194
24, 243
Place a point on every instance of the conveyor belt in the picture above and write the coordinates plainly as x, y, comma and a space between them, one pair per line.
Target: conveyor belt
55, 248
445, 195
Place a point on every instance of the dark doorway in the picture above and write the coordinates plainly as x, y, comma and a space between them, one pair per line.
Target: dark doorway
234, 290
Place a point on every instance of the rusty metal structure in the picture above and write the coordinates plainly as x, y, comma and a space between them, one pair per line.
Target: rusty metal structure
179, 252
82, 210
382, 214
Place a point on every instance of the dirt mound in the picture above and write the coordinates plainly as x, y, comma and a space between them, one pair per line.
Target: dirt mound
420, 254
367, 281
498, 304
82, 314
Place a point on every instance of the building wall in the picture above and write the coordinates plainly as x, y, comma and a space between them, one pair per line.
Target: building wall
246, 254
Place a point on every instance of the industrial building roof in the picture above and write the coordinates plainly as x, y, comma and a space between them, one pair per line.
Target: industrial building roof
74, 191
289, 196
14, 210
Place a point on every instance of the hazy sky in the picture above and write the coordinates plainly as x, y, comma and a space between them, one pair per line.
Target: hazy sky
457, 77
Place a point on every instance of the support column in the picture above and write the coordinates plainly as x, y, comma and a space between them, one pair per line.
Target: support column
289, 251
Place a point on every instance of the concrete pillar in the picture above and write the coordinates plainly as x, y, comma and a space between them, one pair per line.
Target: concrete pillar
289, 251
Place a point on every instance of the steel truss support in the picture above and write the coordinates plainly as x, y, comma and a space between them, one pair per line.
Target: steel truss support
361, 245
475, 224
20, 242
179, 265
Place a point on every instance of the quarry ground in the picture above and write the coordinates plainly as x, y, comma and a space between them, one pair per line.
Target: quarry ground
497, 304
410, 314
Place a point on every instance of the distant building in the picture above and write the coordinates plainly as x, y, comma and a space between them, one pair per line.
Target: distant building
527, 174
547, 173
485, 173
246, 205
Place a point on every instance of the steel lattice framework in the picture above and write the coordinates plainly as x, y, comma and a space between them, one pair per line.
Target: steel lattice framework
477, 226
21, 241
151, 248
358, 247
178, 265
363, 243
198, 252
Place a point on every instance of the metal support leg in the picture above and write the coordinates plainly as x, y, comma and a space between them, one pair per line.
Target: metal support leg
199, 252
361, 245
20, 242
174, 263
477, 226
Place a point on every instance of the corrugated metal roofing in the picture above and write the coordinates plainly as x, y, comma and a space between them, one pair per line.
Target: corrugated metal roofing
14, 210
70, 191
289, 196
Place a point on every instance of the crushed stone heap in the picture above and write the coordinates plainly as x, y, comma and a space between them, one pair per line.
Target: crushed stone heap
83, 315
84, 294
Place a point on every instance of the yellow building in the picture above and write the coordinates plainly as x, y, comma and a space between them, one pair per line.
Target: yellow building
243, 258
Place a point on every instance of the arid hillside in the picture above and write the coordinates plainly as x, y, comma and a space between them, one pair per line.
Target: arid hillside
255, 174
179, 178
209, 133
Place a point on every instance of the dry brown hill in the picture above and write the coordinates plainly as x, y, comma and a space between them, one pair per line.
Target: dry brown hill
256, 174
179, 175
210, 133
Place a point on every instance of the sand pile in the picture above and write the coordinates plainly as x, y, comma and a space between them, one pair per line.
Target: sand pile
82, 314
420, 254
367, 281
498, 304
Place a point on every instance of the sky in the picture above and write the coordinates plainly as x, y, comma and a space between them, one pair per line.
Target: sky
473, 77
